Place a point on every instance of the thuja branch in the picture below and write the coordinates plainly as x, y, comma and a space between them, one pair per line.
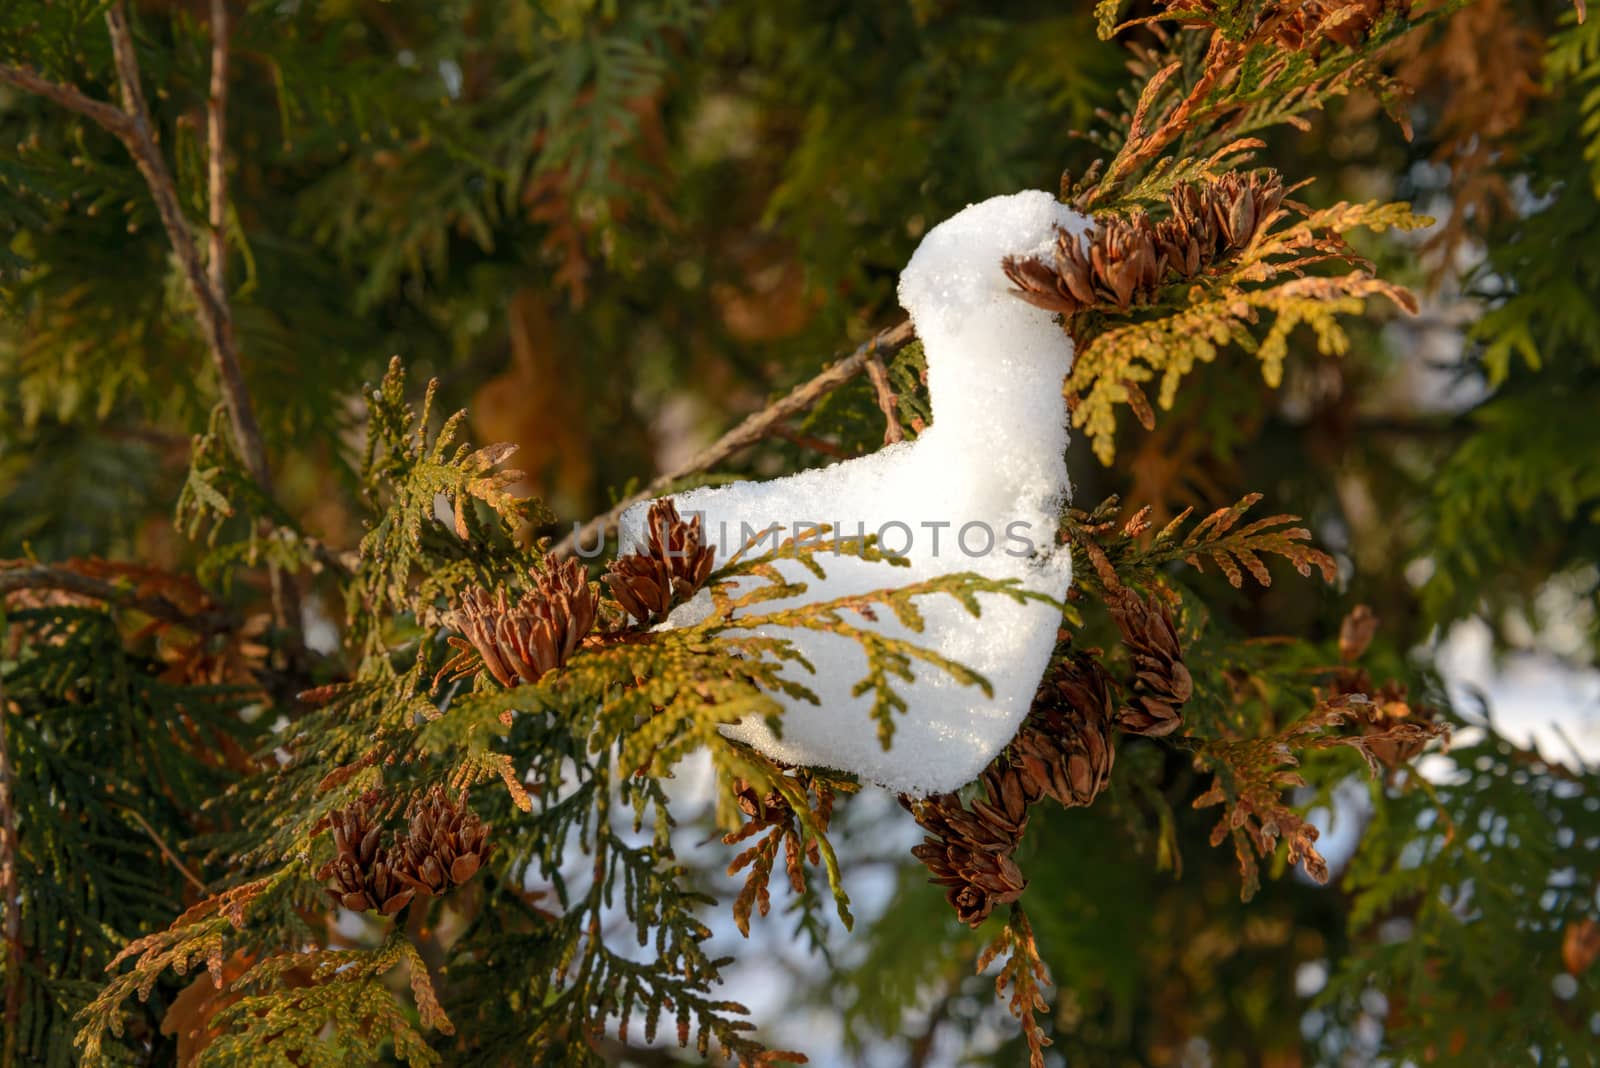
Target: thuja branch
762, 424
1140, 149
132, 126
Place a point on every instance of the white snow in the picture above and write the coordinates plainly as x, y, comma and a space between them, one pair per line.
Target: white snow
979, 490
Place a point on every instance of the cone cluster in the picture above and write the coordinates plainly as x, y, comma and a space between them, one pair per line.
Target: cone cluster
970, 853
1161, 682
674, 564
1127, 258
1064, 752
444, 846
363, 873
520, 641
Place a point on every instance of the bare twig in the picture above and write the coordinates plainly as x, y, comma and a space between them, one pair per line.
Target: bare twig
809, 441
10, 890
43, 577
216, 149
756, 427
166, 850
888, 403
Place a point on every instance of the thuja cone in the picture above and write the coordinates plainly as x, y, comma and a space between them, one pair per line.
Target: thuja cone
673, 565
1161, 681
444, 846
1209, 220
969, 853
364, 875
1127, 258
1065, 749
536, 634
773, 810
1120, 265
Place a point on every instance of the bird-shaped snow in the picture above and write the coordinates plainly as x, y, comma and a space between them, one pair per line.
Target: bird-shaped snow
979, 490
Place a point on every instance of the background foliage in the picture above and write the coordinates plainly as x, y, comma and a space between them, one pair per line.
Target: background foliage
609, 231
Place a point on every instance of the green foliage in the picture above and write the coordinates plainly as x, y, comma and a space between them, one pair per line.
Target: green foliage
1518, 488
1449, 907
114, 762
417, 467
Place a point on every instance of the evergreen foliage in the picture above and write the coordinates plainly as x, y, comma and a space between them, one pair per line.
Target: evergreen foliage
262, 605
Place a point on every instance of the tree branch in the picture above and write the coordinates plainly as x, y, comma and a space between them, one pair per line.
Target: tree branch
166, 850
206, 280
888, 403
68, 96
207, 287
210, 309
756, 427
43, 577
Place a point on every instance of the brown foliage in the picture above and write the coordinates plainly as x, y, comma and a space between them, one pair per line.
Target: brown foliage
1250, 776
1394, 729
1025, 973
1580, 946
773, 816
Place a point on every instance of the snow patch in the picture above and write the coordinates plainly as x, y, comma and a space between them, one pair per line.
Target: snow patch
980, 490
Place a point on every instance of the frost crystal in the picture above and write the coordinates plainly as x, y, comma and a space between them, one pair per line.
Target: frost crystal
979, 491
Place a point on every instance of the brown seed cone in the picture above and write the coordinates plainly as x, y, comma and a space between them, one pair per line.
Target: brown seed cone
1161, 682
1042, 285
444, 846
1126, 259
1242, 203
969, 853
1065, 750
769, 811
674, 564
1128, 264
361, 871
538, 633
